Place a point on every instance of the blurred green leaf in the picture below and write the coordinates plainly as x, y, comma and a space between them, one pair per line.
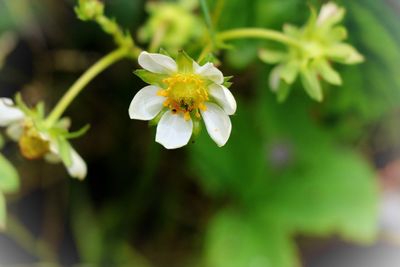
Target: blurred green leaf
238, 240
3, 212
314, 193
9, 179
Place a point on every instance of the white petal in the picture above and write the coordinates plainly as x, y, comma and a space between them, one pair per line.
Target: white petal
78, 168
275, 78
15, 131
52, 158
173, 131
209, 71
157, 63
217, 123
327, 11
224, 98
146, 104
9, 113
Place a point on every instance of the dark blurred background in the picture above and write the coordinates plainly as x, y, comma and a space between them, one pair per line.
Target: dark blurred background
298, 182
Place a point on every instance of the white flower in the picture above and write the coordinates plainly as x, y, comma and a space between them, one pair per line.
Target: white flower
184, 91
35, 143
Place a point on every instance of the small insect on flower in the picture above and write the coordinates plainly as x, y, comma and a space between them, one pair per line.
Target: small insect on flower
181, 93
36, 140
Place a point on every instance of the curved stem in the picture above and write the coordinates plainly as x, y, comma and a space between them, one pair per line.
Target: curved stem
257, 33
80, 84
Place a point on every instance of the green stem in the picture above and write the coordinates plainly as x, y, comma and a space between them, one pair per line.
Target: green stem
80, 84
207, 49
18, 232
158, 38
257, 33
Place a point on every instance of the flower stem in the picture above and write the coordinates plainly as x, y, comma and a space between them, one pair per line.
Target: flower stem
80, 84
257, 33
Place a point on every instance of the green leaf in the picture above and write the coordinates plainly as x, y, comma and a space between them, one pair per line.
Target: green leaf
3, 212
9, 179
151, 78
311, 84
235, 240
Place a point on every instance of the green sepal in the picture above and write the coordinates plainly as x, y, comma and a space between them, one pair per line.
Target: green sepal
227, 82
77, 133
327, 72
197, 127
3, 212
151, 78
345, 54
164, 52
283, 91
338, 33
291, 30
64, 149
155, 121
21, 104
184, 62
41, 111
208, 58
271, 56
289, 71
9, 178
311, 84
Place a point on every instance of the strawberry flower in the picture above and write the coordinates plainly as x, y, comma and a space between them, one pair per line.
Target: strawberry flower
36, 140
181, 94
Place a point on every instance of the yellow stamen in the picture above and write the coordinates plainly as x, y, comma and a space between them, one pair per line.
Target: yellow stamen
185, 92
32, 145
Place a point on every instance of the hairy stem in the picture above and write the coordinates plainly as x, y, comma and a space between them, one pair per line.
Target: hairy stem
257, 33
80, 84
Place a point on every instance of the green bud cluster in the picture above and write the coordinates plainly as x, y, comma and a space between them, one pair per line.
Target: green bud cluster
174, 22
320, 43
89, 9
93, 10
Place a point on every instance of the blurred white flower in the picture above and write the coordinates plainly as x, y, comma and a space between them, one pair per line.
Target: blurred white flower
38, 143
328, 11
182, 92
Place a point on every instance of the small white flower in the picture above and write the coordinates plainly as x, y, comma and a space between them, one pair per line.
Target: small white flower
34, 143
184, 91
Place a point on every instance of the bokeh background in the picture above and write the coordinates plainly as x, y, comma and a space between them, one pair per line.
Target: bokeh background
299, 182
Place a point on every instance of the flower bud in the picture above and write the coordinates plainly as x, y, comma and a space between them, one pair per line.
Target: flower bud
89, 9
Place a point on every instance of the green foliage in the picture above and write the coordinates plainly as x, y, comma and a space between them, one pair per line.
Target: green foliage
311, 191
373, 88
3, 212
9, 180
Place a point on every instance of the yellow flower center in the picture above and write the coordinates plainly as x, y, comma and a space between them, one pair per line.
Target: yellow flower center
32, 145
185, 93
